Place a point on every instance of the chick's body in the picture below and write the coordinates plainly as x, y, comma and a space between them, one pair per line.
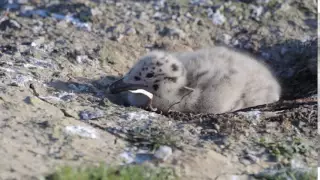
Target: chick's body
214, 80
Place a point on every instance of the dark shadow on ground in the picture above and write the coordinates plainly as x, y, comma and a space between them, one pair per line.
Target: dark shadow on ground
296, 64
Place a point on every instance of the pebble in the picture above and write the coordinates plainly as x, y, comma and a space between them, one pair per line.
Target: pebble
173, 32
256, 12
245, 161
89, 115
253, 158
9, 23
218, 18
130, 31
163, 153
226, 38
82, 131
143, 16
81, 59
96, 11
216, 126
38, 41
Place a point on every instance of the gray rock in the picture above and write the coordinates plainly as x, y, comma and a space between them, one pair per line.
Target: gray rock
172, 32
9, 23
163, 153
89, 115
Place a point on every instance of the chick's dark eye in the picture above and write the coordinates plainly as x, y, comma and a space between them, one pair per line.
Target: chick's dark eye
149, 75
155, 87
137, 78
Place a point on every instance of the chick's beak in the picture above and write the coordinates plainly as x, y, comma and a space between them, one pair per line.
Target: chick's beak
119, 86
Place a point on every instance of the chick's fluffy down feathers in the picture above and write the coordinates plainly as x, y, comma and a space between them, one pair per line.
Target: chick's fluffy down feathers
214, 80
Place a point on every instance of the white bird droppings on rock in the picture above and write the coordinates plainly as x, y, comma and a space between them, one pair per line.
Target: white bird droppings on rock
163, 153
82, 131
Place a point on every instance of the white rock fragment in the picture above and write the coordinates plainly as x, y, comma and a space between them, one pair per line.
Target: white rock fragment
96, 11
72, 20
157, 15
37, 63
127, 157
27, 65
82, 59
252, 116
38, 42
81, 131
256, 11
7, 69
218, 18
198, 2
227, 38
138, 115
163, 153
20, 80
64, 96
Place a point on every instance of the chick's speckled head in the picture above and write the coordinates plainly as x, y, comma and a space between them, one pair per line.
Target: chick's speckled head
153, 71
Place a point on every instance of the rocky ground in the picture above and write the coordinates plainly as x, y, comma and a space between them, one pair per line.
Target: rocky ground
58, 57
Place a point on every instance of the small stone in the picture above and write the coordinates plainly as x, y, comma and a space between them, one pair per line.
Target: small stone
62, 24
226, 38
163, 153
38, 41
158, 15
116, 37
173, 32
174, 17
253, 158
256, 12
188, 15
130, 31
143, 16
23, 48
216, 126
96, 11
82, 131
9, 23
199, 22
218, 18
81, 59
88, 115
31, 100
245, 162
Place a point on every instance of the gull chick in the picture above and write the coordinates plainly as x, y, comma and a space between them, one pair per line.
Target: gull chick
215, 80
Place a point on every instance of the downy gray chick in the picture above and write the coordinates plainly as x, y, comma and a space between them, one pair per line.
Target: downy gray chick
214, 80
